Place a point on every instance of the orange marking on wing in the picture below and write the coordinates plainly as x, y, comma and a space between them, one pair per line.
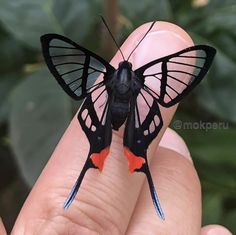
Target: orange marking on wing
135, 162
99, 158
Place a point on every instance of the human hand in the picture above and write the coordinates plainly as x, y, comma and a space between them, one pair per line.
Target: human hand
114, 201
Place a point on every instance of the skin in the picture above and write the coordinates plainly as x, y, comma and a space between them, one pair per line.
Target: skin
116, 202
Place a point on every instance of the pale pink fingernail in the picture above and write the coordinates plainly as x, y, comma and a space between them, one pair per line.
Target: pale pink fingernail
157, 44
218, 230
171, 140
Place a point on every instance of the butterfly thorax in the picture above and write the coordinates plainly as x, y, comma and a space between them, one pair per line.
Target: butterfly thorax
121, 94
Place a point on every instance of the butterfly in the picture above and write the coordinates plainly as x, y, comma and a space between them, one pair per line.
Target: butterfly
123, 96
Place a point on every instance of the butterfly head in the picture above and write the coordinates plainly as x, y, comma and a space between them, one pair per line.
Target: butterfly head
125, 65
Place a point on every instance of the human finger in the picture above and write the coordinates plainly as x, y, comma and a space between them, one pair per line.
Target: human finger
179, 189
105, 201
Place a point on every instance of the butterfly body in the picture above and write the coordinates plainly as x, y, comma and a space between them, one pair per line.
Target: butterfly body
123, 96
121, 88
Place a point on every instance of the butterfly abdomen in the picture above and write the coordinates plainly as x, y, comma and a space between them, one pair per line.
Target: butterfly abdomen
119, 113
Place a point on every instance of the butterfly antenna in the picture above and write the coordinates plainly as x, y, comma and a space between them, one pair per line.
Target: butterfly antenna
142, 39
105, 23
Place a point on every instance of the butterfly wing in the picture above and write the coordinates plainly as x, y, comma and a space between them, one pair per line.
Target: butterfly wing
95, 120
143, 125
171, 78
165, 81
74, 67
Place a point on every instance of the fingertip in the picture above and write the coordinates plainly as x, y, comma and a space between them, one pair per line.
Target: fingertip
163, 39
179, 192
163, 33
167, 27
171, 140
215, 229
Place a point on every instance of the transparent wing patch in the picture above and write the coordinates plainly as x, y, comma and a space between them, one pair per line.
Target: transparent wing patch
94, 116
172, 77
147, 119
143, 124
74, 67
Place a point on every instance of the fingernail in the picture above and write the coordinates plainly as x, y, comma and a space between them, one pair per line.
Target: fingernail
164, 39
219, 230
171, 140
159, 43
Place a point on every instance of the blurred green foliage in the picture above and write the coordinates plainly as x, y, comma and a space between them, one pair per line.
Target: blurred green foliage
36, 111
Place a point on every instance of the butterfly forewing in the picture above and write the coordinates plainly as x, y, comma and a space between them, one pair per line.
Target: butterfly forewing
74, 67
143, 125
172, 77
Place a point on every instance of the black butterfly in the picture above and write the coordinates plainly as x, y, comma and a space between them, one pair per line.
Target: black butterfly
123, 96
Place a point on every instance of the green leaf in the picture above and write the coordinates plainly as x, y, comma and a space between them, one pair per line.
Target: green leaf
40, 112
74, 17
6, 84
211, 18
27, 20
12, 56
215, 144
213, 150
218, 94
212, 204
229, 221
157, 10
223, 17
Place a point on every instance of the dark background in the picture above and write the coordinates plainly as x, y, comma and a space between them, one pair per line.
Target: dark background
34, 111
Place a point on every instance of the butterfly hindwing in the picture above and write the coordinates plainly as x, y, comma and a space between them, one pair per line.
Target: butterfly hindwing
172, 77
143, 125
74, 67
165, 81
95, 119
